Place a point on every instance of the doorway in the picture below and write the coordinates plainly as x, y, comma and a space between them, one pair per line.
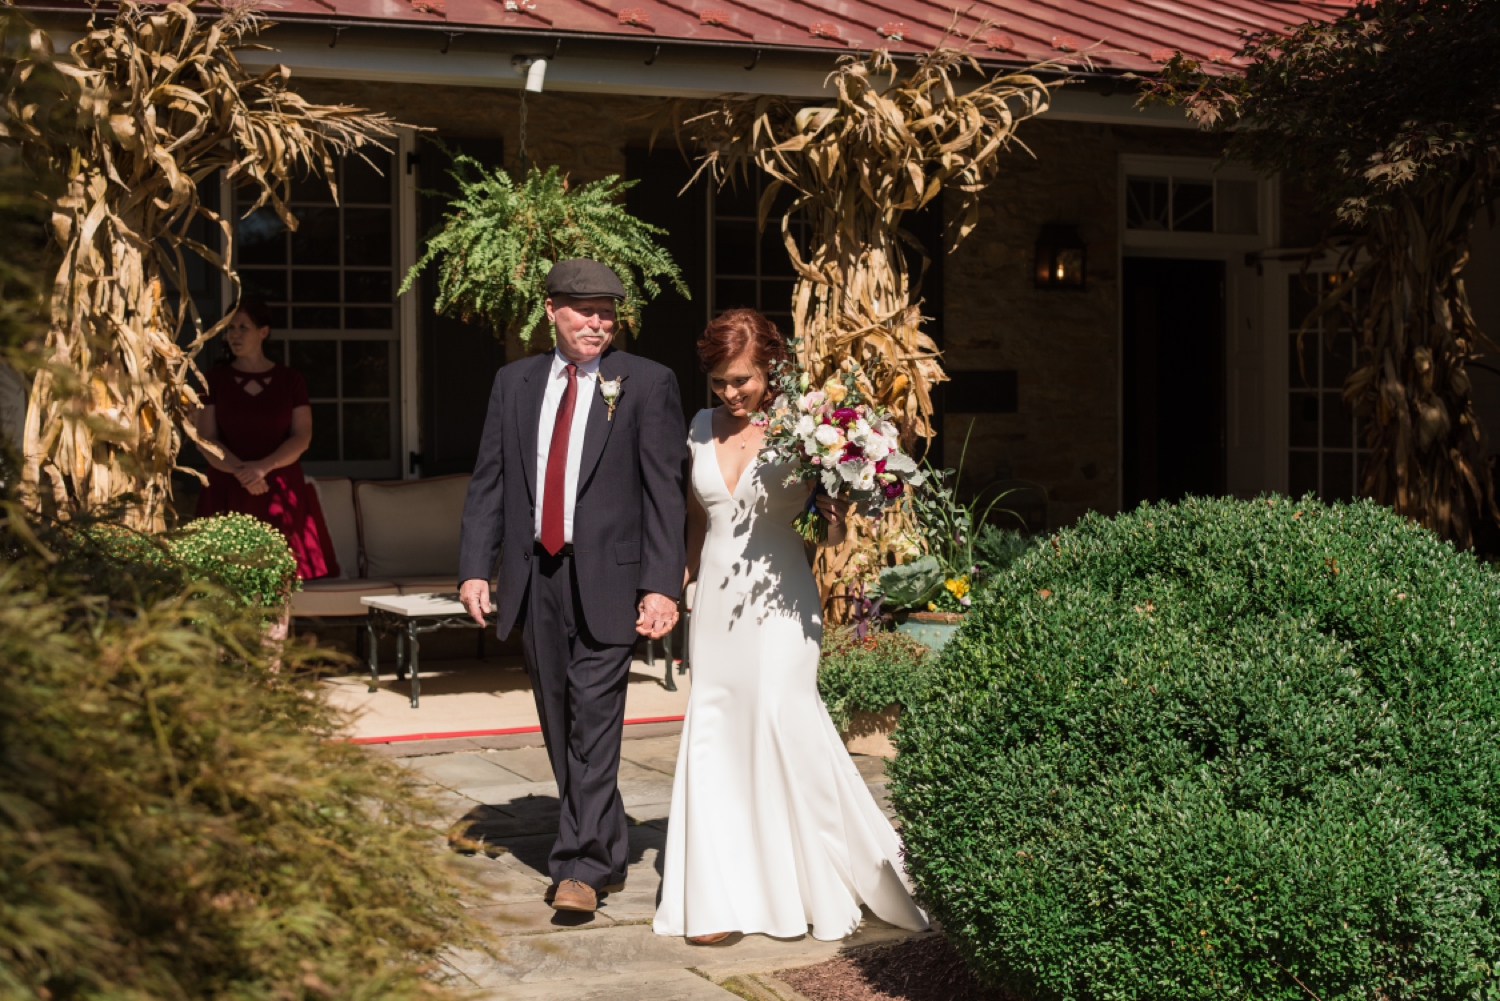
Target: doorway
1174, 412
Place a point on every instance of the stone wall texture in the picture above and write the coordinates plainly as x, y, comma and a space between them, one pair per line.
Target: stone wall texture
1064, 439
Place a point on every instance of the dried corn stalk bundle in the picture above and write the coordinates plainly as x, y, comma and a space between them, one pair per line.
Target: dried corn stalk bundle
144, 108
884, 147
1417, 337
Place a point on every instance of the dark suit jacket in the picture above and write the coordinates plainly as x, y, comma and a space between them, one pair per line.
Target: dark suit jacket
629, 520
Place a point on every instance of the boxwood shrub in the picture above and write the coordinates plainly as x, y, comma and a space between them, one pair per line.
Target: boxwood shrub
1227, 749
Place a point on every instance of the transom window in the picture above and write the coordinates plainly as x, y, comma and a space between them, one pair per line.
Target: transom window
331, 290
1192, 205
1325, 453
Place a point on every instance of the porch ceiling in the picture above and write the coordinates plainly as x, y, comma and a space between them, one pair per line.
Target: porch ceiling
1115, 36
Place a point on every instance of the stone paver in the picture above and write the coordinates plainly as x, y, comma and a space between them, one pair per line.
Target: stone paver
663, 985
506, 802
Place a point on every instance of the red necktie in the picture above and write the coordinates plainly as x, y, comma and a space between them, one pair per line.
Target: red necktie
557, 468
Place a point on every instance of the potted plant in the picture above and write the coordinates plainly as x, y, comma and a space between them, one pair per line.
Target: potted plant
952, 549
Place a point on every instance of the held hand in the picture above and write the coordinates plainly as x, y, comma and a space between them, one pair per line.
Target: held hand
658, 616
833, 509
258, 487
474, 595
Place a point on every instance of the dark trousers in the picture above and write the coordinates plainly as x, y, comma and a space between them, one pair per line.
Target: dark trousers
579, 685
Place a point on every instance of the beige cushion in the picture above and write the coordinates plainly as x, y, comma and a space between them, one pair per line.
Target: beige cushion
336, 498
326, 597
410, 528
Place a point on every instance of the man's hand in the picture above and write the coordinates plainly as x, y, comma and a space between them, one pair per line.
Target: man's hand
474, 595
658, 616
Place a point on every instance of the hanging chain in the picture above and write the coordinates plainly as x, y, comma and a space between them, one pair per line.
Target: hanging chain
523, 132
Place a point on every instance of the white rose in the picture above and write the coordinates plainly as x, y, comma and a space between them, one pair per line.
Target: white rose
864, 476
888, 430
805, 426
877, 447
829, 436
860, 432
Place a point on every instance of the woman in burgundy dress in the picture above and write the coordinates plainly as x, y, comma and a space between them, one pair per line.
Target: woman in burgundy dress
257, 411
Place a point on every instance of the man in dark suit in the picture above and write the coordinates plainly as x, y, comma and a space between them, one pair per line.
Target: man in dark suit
578, 490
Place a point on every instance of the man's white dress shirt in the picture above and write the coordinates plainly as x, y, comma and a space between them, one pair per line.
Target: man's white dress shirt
557, 385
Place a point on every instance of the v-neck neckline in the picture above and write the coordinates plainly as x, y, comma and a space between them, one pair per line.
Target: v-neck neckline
713, 443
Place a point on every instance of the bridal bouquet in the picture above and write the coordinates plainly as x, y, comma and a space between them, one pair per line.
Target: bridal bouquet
833, 436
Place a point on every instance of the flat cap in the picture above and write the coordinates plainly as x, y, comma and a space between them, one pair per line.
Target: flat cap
584, 278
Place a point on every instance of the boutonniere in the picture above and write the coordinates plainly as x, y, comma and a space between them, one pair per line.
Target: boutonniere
610, 390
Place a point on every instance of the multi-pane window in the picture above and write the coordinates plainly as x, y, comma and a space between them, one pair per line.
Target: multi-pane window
1192, 205
331, 287
1325, 453
751, 268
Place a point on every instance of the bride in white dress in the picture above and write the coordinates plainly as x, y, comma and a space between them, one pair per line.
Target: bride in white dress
772, 828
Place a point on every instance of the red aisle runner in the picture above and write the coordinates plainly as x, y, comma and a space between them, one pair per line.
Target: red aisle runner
490, 733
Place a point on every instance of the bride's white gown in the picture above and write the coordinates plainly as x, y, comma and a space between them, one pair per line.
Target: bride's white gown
772, 828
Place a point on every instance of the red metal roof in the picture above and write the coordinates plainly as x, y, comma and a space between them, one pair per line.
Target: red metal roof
1116, 35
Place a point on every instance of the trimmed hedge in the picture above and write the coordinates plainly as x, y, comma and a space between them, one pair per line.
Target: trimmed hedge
869, 674
1227, 749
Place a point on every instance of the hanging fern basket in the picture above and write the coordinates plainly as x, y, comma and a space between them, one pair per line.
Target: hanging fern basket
499, 238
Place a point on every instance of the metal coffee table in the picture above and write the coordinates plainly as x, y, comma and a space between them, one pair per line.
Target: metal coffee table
408, 616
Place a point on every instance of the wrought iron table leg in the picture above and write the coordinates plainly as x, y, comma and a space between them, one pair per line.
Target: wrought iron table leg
374, 651
666, 644
400, 654
412, 661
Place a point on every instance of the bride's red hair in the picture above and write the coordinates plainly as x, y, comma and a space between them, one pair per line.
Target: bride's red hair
739, 331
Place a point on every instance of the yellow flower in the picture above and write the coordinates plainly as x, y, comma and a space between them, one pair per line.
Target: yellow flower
958, 586
836, 392
931, 606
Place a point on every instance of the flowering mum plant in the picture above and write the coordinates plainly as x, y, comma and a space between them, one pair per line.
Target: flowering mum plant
832, 436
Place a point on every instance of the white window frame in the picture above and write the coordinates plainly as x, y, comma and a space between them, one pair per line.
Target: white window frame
1254, 451
407, 434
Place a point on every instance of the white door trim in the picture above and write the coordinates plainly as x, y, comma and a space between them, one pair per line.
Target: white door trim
1247, 347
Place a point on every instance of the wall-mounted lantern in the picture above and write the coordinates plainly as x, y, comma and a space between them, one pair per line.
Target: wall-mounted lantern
1061, 257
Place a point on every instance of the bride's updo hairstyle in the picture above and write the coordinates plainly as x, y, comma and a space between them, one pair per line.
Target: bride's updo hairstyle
737, 331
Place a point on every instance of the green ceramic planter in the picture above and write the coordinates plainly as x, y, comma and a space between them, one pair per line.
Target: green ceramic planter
932, 629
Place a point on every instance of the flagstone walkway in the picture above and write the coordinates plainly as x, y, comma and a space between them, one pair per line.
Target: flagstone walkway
506, 800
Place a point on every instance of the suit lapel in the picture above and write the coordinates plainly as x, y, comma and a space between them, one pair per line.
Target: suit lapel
533, 388
596, 434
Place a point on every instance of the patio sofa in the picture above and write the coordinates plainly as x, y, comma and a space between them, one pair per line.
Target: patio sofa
390, 537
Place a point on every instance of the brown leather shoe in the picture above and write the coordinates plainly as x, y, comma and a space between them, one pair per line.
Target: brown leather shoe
573, 895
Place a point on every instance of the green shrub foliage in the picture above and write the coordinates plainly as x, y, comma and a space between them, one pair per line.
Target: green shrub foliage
869, 674
1229, 749
243, 555
179, 821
